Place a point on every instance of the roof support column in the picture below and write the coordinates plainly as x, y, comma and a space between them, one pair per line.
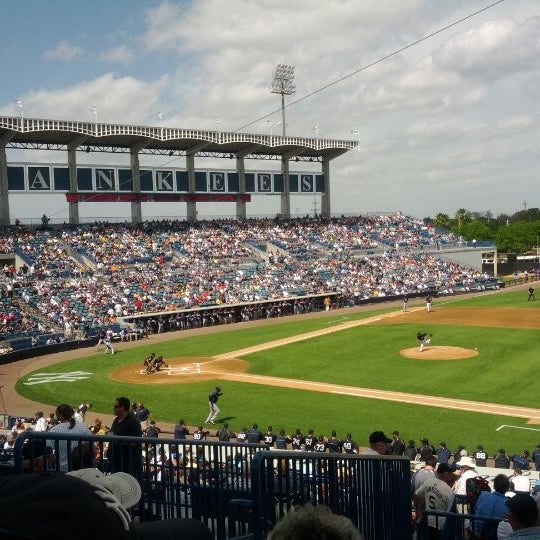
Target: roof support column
4, 192
286, 195
191, 209
72, 171
136, 212
241, 170
325, 198
73, 188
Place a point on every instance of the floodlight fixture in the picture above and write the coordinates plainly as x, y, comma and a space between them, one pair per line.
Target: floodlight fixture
357, 133
283, 83
20, 107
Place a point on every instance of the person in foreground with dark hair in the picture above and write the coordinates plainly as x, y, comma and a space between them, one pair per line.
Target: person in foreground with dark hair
493, 505
314, 523
522, 518
84, 504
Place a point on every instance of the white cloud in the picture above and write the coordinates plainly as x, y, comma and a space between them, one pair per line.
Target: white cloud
120, 55
495, 48
63, 51
118, 99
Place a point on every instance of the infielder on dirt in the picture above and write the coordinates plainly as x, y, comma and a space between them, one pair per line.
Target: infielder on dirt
424, 339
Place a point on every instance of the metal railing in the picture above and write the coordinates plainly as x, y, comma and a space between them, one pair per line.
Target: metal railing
372, 491
456, 526
236, 489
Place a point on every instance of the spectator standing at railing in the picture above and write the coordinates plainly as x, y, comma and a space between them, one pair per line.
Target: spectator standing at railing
67, 424
225, 434
397, 446
254, 435
521, 483
334, 444
522, 519
435, 494
124, 456
321, 445
467, 469
424, 473
536, 457
379, 444
521, 461
501, 460
480, 456
41, 423
411, 451
349, 445
269, 437
443, 454
493, 505
200, 434
309, 440
142, 414
282, 440
181, 430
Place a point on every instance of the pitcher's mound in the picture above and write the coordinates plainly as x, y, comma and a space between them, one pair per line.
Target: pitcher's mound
439, 352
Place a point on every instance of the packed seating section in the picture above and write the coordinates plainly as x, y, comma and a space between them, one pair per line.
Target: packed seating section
74, 279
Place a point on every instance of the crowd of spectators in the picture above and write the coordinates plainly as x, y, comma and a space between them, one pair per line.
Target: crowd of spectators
92, 274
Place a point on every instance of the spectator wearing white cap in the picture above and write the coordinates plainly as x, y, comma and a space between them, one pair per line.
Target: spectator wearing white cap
467, 469
82, 504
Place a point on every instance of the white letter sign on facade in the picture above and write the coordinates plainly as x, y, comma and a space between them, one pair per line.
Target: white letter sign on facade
104, 179
306, 183
217, 181
264, 182
164, 180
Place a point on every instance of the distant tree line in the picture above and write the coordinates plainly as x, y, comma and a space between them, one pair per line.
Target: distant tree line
516, 233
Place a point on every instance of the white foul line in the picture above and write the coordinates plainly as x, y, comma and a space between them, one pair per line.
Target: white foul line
516, 427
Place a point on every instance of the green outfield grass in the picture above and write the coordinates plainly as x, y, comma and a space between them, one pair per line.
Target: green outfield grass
365, 356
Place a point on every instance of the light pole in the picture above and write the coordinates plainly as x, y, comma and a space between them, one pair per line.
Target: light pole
316, 130
161, 116
218, 120
357, 133
20, 106
271, 124
282, 83
94, 111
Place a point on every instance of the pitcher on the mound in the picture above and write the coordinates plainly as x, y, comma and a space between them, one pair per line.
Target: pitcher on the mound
424, 339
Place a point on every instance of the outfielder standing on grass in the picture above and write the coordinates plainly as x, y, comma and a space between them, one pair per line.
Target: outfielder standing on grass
212, 403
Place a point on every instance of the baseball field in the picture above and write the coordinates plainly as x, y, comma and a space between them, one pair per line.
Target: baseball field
352, 370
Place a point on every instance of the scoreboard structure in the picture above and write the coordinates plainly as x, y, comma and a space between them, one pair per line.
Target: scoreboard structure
134, 184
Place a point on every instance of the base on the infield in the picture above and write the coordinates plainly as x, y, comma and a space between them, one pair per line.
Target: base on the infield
439, 352
181, 370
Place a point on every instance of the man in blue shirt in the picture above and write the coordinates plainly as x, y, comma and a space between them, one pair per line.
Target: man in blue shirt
492, 505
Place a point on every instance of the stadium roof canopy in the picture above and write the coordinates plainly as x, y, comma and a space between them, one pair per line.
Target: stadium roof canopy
45, 134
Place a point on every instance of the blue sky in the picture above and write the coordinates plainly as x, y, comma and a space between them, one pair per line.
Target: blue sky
452, 122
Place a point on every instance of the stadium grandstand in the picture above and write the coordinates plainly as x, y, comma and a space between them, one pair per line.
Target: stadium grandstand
63, 286
66, 283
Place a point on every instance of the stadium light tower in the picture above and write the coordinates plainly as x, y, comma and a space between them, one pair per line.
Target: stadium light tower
282, 83
20, 106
